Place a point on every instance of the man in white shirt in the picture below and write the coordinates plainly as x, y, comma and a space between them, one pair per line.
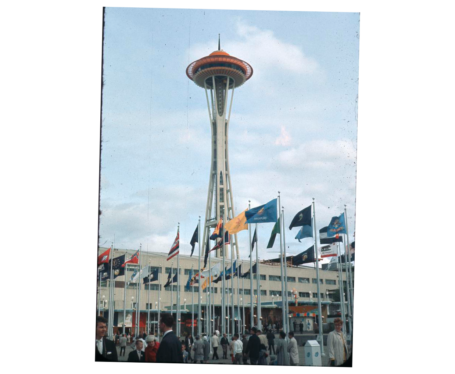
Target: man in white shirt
238, 349
105, 349
215, 344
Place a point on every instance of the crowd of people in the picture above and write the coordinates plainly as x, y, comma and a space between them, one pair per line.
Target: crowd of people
255, 349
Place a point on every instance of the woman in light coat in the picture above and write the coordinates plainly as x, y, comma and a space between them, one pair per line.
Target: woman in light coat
337, 345
293, 350
198, 349
281, 349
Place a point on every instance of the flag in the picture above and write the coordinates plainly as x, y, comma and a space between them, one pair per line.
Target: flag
275, 231
254, 240
105, 269
169, 280
194, 239
217, 232
190, 277
133, 260
175, 248
103, 258
305, 232
336, 226
263, 213
219, 244
139, 274
329, 250
305, 257
253, 269
210, 275
323, 239
151, 277
302, 218
238, 273
206, 256
237, 224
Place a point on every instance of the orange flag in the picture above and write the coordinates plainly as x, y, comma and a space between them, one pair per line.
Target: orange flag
237, 224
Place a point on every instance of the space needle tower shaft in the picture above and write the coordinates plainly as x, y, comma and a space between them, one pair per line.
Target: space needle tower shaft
219, 74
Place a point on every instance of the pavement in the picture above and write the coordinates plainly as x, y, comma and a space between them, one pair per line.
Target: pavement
325, 358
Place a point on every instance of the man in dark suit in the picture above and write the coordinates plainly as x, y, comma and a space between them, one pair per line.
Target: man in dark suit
137, 355
253, 348
170, 349
105, 349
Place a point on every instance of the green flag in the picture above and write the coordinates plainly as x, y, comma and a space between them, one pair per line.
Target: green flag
276, 230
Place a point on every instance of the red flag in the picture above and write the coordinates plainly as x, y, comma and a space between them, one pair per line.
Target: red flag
133, 260
103, 258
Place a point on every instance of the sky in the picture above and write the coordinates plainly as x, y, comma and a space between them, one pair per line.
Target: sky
293, 125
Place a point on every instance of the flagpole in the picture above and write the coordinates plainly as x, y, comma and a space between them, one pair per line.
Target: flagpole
238, 299
257, 281
348, 245
208, 308
159, 304
138, 314
285, 264
223, 315
178, 285
243, 305
251, 275
192, 300
172, 287
316, 255
283, 308
199, 280
124, 297
341, 289
148, 298
111, 277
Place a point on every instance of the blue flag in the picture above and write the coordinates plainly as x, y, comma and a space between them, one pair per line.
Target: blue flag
188, 284
263, 213
305, 232
336, 226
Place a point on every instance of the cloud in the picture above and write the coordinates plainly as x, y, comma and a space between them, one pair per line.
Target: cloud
284, 138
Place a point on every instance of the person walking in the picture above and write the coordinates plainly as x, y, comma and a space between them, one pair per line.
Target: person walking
206, 349
224, 344
198, 349
270, 340
282, 350
252, 348
189, 341
152, 348
237, 350
105, 349
336, 344
123, 341
293, 350
137, 355
170, 349
244, 354
215, 344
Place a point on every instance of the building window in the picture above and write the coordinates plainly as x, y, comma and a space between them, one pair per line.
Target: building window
315, 281
131, 286
315, 295
304, 294
153, 268
188, 271
291, 279
168, 288
275, 278
247, 292
207, 289
247, 276
275, 293
192, 288
174, 270
262, 277
304, 280
263, 292
330, 281
153, 287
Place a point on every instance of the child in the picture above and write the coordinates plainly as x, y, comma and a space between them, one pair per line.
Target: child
185, 354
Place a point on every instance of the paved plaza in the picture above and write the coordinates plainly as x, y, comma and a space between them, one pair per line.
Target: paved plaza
325, 359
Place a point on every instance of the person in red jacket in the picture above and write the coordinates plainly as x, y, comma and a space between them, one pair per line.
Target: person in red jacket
151, 349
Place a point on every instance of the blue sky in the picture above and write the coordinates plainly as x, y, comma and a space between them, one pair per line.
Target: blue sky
293, 125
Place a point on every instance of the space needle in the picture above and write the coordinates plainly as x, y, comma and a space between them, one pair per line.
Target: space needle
219, 74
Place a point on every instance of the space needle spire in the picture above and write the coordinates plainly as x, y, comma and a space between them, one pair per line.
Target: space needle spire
219, 74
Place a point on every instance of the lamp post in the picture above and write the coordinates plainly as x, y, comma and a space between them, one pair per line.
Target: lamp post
102, 301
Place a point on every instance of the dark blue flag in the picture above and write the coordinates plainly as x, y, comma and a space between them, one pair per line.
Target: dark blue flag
194, 239
302, 218
263, 213
152, 277
323, 239
188, 283
116, 267
304, 257
169, 280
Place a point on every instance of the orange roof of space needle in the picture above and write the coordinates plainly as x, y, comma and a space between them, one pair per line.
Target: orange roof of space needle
219, 63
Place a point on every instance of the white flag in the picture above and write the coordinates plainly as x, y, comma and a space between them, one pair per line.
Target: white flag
329, 250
